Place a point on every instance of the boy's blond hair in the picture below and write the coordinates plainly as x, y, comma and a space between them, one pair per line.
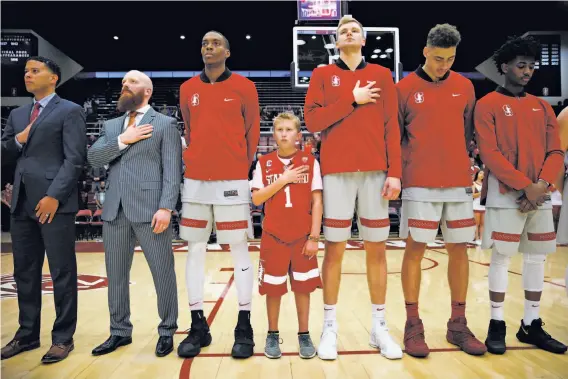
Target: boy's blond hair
346, 20
290, 117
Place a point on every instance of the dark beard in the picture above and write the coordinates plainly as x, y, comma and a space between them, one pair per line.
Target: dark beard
129, 101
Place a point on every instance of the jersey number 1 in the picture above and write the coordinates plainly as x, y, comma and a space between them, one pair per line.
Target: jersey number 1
288, 200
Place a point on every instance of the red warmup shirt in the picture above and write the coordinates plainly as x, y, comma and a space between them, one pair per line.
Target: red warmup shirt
354, 137
518, 139
288, 214
222, 122
436, 121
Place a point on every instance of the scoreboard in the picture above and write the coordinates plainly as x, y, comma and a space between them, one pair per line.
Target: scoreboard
17, 48
547, 79
319, 10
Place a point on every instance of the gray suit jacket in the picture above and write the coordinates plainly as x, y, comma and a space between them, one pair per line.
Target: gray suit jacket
145, 176
53, 157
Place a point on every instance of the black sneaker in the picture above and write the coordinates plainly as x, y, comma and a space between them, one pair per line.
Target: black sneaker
495, 341
535, 335
244, 344
198, 337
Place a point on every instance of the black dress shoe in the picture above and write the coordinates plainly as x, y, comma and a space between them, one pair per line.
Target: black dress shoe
111, 344
16, 347
164, 346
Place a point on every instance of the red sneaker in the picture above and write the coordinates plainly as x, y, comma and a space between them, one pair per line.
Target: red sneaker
460, 335
414, 341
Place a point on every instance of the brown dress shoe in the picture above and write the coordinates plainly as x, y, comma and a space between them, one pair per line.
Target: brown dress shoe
16, 347
58, 352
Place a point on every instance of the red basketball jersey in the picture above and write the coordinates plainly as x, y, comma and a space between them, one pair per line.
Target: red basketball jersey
287, 214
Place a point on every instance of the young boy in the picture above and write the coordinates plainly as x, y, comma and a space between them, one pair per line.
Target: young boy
289, 182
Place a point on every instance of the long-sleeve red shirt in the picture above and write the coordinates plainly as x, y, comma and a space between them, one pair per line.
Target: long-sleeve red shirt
354, 137
222, 123
518, 139
436, 121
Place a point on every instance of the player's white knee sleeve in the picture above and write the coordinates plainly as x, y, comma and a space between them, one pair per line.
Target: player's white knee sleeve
244, 275
498, 275
533, 271
195, 273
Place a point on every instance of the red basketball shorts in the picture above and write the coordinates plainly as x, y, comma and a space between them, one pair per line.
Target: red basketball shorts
279, 259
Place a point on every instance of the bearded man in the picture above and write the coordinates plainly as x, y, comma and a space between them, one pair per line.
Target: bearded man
143, 150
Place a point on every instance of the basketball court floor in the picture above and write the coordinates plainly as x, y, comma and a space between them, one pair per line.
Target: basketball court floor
357, 360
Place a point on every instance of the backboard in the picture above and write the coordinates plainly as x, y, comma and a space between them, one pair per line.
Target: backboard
315, 46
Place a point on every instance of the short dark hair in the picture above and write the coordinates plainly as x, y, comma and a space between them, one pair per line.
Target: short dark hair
51, 65
444, 36
225, 40
516, 47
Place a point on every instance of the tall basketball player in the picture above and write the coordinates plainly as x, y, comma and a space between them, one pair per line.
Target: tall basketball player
436, 119
221, 115
343, 103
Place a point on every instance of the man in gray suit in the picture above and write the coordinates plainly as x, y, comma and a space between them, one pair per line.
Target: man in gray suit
48, 142
143, 150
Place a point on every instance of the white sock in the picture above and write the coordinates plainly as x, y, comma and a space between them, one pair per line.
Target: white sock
195, 274
378, 311
244, 275
497, 310
329, 318
532, 309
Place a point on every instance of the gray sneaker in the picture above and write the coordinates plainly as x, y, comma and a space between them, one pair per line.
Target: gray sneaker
307, 349
272, 348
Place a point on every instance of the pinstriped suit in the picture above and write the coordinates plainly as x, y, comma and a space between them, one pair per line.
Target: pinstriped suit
142, 178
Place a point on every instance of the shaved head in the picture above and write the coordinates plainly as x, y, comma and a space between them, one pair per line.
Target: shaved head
142, 78
137, 89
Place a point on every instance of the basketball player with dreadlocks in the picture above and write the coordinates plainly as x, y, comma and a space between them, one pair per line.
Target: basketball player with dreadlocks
519, 143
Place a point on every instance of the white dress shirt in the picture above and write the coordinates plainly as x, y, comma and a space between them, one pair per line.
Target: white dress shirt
141, 112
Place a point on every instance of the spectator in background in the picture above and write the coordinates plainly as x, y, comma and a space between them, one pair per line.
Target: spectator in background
95, 106
98, 174
87, 107
100, 195
164, 110
309, 144
92, 139
84, 200
474, 169
108, 93
478, 209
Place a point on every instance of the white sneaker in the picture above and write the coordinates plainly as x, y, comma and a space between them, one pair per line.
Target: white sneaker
327, 348
381, 339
